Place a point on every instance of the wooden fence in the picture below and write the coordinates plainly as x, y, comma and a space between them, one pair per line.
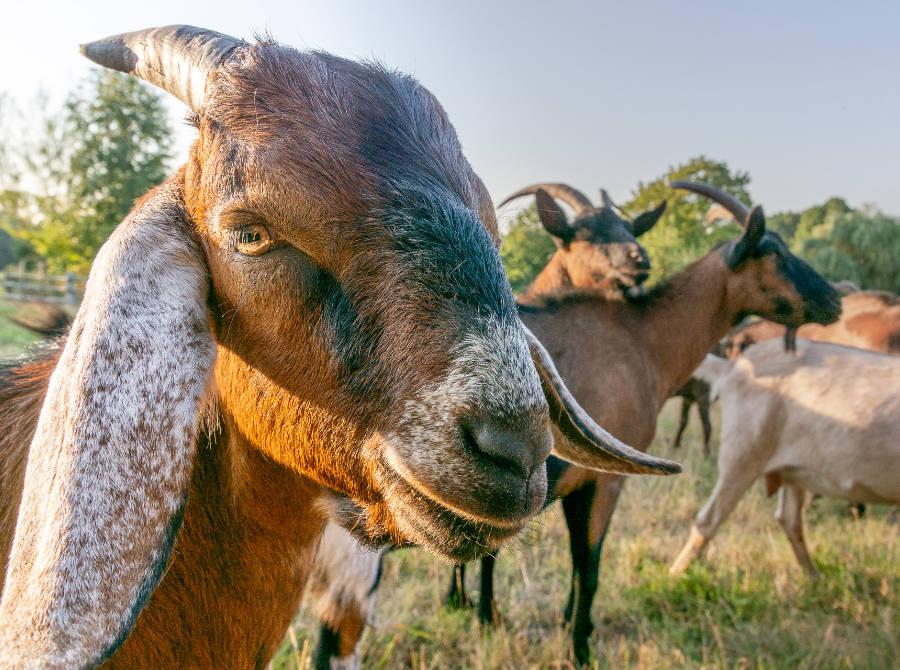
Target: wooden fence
38, 286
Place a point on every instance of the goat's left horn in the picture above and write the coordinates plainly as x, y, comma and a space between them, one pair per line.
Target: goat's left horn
177, 58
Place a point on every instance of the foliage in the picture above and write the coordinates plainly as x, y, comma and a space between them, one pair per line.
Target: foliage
683, 234
107, 147
526, 249
860, 245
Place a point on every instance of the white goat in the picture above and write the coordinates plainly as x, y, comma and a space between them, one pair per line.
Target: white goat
825, 419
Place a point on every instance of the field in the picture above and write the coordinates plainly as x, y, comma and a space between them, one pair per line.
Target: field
14, 340
746, 605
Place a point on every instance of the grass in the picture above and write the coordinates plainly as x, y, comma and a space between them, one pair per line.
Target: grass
14, 340
747, 604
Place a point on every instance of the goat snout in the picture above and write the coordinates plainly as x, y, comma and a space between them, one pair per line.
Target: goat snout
516, 450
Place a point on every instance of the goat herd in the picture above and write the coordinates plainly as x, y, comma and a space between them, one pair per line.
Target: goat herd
302, 349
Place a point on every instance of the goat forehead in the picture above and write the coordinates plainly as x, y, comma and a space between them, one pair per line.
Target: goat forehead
355, 127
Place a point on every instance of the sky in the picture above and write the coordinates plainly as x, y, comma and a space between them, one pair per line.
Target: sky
805, 96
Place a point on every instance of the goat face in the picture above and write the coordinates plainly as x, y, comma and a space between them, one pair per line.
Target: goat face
367, 335
598, 249
769, 279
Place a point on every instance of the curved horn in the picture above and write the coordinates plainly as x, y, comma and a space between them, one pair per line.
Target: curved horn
177, 58
574, 199
738, 209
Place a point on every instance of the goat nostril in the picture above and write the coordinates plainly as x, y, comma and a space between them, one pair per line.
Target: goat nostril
517, 451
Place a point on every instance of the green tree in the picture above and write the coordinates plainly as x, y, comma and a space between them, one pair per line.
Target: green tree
683, 234
526, 249
860, 245
110, 144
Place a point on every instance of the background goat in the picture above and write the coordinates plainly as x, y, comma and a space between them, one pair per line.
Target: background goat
823, 419
320, 286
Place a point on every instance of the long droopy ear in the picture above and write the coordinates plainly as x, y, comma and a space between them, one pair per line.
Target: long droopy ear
110, 462
576, 436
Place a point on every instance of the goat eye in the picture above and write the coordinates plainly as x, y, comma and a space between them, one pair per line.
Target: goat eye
253, 240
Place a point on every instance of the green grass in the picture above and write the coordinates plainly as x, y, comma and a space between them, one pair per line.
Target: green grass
14, 340
746, 604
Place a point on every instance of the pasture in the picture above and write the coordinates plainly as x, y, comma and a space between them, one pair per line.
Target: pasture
747, 604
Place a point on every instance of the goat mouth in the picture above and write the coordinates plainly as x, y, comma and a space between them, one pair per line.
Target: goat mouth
448, 533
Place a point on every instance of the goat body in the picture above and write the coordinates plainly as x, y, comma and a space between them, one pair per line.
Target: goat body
824, 419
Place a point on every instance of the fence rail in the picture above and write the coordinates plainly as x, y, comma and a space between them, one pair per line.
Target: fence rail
38, 286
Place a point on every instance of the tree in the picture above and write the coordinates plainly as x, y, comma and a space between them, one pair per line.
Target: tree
683, 234
110, 144
526, 249
860, 245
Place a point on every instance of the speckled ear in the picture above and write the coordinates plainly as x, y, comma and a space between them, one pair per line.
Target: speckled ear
576, 436
111, 458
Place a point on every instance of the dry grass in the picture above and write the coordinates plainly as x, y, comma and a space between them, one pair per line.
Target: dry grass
746, 605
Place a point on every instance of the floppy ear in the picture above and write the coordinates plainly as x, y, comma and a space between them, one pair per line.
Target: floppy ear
111, 458
577, 438
744, 247
644, 222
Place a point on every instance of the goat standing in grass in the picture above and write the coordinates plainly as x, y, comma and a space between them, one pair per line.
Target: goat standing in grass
313, 304
824, 419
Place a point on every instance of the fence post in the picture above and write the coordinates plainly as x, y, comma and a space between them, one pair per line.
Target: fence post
71, 296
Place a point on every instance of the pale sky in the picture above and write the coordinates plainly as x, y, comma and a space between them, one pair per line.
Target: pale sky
803, 95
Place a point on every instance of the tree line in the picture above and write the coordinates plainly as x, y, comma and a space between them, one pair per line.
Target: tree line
63, 191
841, 242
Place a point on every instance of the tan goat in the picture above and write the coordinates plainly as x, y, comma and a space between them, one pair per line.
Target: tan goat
313, 304
823, 419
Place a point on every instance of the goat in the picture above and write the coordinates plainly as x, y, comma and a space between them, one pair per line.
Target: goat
596, 252
694, 391
646, 348
823, 419
312, 309
869, 320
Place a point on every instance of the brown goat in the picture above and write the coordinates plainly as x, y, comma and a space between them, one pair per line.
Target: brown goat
596, 252
869, 320
646, 349
314, 300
